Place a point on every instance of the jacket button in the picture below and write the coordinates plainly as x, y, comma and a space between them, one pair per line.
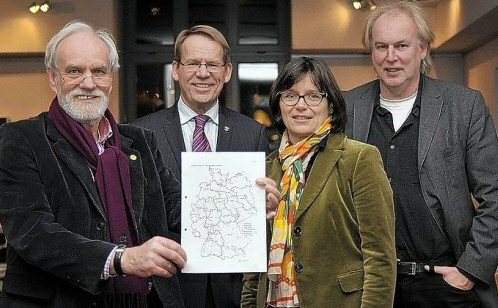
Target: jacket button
297, 231
100, 226
298, 267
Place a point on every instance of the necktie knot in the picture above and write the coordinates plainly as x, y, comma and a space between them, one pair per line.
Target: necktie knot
200, 142
200, 120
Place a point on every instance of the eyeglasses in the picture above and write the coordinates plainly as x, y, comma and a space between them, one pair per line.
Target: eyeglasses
195, 66
100, 78
311, 99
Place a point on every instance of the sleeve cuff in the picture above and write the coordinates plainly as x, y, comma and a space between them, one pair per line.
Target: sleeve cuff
468, 275
105, 273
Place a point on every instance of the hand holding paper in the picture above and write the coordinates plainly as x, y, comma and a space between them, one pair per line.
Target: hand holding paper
272, 196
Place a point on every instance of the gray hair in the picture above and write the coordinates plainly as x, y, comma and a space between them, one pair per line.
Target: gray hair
77, 26
416, 13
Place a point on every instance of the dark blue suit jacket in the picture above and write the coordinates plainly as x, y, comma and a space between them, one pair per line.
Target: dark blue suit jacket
236, 133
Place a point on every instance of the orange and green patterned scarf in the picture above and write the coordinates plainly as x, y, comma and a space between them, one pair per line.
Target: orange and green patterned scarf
282, 290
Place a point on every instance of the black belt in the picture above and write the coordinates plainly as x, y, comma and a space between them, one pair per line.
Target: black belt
413, 268
410, 268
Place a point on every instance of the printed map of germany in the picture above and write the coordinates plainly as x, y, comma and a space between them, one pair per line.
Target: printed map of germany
220, 212
223, 212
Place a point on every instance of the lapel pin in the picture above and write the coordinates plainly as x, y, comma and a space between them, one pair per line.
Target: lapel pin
133, 157
226, 128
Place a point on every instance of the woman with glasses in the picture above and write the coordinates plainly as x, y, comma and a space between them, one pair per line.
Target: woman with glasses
332, 241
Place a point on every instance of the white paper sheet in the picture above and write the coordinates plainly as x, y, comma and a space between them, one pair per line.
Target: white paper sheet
223, 212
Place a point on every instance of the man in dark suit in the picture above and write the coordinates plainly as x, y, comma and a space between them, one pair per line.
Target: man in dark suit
202, 66
439, 147
87, 205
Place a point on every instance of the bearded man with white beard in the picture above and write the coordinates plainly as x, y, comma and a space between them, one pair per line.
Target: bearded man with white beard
84, 225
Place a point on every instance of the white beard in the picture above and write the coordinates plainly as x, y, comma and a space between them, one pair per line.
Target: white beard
85, 113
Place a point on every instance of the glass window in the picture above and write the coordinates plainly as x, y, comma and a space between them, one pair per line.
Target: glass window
155, 88
255, 80
208, 12
155, 22
257, 22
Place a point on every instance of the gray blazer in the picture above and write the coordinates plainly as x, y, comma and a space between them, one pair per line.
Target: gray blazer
457, 156
236, 133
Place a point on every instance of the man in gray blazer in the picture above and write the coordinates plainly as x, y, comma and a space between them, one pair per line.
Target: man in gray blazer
439, 147
198, 123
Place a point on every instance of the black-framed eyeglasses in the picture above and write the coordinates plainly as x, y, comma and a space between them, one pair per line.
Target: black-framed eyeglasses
311, 99
210, 67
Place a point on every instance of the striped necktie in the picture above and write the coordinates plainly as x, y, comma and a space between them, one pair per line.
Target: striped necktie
200, 142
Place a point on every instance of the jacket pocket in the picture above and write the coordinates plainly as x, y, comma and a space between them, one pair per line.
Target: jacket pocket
351, 281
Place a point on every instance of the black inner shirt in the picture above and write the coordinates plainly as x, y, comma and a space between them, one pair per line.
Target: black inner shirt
418, 237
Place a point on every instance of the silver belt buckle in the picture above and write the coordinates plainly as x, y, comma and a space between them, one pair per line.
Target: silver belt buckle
413, 268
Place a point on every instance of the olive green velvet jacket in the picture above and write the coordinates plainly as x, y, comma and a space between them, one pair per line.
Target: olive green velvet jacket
345, 243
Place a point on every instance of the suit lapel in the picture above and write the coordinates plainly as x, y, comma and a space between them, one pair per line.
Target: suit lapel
430, 111
324, 163
136, 176
363, 109
225, 129
77, 163
173, 132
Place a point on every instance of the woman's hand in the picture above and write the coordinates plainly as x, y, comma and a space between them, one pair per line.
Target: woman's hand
272, 196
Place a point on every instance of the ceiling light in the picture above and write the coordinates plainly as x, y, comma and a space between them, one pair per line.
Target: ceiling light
154, 11
362, 4
372, 5
35, 7
45, 6
358, 4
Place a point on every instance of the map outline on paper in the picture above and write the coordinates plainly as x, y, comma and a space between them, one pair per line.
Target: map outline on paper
225, 209
221, 206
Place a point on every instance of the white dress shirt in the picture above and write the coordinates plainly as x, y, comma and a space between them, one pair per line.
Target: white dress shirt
187, 122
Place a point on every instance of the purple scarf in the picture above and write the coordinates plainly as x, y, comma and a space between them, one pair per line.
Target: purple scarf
112, 175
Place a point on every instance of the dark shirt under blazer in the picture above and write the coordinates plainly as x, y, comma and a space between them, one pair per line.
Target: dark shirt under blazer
236, 133
55, 223
457, 151
418, 237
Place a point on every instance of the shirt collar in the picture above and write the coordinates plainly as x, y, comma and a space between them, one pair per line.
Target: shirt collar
416, 105
105, 131
186, 113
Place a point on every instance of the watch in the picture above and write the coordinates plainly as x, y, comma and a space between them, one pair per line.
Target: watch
118, 253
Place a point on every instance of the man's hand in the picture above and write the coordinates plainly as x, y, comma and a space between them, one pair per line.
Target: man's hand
272, 196
453, 277
158, 256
